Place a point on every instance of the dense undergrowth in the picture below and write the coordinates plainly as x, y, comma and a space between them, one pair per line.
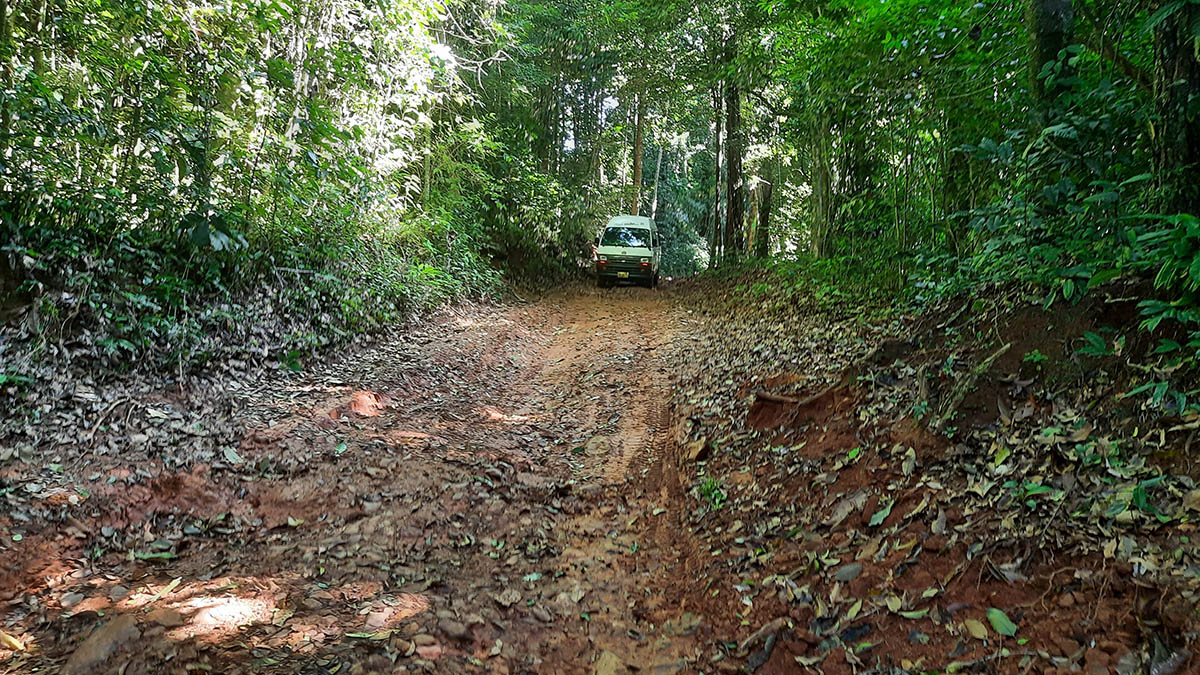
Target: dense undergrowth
141, 298
1151, 271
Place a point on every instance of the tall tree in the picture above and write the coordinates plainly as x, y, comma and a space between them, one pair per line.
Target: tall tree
1051, 27
1177, 104
762, 229
639, 145
735, 213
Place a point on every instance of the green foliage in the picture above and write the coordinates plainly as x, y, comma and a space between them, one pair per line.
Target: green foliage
712, 491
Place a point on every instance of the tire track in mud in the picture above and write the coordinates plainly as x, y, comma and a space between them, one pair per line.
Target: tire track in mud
641, 429
626, 544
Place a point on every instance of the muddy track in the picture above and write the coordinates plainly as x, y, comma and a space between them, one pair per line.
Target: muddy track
483, 493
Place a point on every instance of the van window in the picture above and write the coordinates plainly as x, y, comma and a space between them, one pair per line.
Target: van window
629, 237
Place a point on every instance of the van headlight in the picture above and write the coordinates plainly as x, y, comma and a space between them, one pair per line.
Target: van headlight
602, 257
645, 260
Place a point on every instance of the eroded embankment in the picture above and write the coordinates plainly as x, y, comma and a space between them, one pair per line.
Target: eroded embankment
854, 507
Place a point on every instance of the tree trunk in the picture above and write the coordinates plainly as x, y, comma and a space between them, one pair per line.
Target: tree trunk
714, 237
735, 189
1051, 25
657, 175
427, 166
1176, 85
6, 68
762, 232
822, 191
37, 21
639, 139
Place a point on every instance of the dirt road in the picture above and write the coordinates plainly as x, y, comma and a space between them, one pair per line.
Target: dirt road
484, 495
629, 480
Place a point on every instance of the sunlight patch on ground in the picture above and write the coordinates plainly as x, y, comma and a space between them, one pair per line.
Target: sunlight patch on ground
496, 415
212, 618
405, 437
393, 610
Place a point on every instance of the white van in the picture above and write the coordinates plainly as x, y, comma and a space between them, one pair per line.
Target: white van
628, 248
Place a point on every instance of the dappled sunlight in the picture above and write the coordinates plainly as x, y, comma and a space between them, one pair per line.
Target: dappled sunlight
393, 610
212, 618
406, 437
364, 404
496, 415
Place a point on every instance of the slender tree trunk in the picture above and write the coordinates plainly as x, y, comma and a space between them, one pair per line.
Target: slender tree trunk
657, 175
6, 68
427, 169
37, 22
639, 143
762, 232
714, 237
735, 189
1176, 87
822, 191
1051, 25
596, 123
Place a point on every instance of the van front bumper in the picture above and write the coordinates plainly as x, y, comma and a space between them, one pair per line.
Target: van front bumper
621, 270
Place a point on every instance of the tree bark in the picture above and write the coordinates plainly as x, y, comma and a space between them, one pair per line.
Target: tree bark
1176, 84
735, 213
6, 57
714, 236
657, 175
822, 190
639, 138
762, 233
1051, 25
37, 21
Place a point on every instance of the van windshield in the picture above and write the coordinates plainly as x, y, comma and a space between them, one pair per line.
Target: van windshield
629, 237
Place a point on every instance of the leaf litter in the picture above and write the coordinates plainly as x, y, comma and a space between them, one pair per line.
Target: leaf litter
420, 502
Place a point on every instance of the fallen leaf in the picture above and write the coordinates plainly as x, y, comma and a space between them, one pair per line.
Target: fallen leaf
10, 642
882, 514
1001, 623
854, 610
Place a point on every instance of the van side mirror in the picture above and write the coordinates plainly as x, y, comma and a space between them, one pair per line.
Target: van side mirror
597, 240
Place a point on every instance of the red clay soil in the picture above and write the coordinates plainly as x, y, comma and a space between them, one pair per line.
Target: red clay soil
466, 497
511, 490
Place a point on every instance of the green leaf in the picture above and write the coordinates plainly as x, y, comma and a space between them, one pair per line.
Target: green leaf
1166, 345
881, 515
1000, 622
1096, 345
1102, 277
1163, 14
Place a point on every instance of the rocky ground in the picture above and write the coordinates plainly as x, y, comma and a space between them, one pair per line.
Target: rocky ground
684, 480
